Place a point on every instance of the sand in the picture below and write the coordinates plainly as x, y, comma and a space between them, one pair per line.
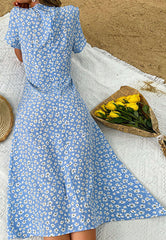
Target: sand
131, 30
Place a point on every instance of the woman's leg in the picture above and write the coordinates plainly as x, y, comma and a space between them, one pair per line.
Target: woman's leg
62, 237
84, 235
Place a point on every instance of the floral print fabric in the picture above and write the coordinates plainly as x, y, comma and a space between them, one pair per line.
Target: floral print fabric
63, 174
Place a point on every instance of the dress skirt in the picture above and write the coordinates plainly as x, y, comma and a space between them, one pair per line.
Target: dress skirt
63, 174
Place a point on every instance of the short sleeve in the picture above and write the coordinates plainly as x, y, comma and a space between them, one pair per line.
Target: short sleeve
79, 39
12, 35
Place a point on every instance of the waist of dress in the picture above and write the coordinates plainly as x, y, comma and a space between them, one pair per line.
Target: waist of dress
55, 88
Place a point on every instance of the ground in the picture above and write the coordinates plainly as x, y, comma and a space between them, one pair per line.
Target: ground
133, 31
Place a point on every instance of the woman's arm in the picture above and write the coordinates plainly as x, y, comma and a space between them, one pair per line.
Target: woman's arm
18, 54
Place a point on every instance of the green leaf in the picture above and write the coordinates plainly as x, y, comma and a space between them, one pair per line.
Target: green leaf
145, 121
102, 115
107, 109
130, 125
136, 124
125, 101
116, 120
119, 107
136, 113
149, 123
129, 109
141, 119
145, 108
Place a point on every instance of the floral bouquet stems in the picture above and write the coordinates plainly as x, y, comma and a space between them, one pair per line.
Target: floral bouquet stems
127, 110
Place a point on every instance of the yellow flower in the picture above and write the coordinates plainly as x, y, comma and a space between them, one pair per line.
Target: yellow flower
114, 114
130, 98
119, 103
99, 113
134, 106
121, 99
133, 98
110, 105
103, 107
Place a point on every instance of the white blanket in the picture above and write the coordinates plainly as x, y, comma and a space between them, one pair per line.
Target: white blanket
97, 74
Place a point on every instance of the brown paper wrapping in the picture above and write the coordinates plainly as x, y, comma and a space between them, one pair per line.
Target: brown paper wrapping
125, 91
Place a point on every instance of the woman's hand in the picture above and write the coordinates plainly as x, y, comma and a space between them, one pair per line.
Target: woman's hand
24, 3
18, 54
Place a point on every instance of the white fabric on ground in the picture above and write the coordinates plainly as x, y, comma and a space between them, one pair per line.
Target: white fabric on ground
97, 74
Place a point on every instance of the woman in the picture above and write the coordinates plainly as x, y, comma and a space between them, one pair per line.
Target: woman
64, 178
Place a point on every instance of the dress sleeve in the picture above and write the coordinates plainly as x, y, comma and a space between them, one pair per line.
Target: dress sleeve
79, 39
12, 35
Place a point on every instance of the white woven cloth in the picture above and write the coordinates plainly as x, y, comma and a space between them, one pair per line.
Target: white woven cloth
97, 74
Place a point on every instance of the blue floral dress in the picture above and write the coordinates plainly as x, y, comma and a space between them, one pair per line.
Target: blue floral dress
63, 174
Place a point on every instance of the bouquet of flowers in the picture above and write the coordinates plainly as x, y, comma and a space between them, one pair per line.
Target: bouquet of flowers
128, 111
